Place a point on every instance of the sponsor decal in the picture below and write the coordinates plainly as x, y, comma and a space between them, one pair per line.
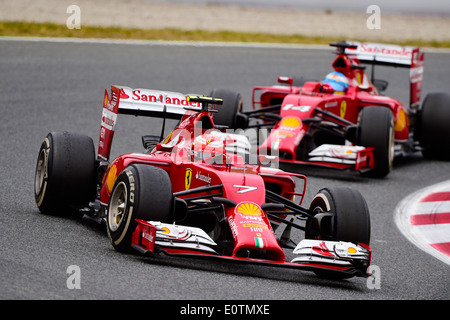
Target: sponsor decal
112, 176
108, 119
255, 225
132, 187
164, 230
342, 152
123, 95
331, 104
246, 209
401, 121
202, 177
385, 49
233, 227
108, 122
154, 97
283, 134
291, 122
147, 236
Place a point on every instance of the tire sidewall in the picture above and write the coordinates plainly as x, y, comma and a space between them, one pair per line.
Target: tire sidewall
321, 203
68, 180
121, 237
40, 196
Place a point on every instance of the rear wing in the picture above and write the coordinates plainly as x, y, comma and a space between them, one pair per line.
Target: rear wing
396, 56
139, 102
154, 103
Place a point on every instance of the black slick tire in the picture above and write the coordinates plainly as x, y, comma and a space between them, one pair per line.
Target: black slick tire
434, 126
345, 217
376, 129
140, 192
65, 173
227, 114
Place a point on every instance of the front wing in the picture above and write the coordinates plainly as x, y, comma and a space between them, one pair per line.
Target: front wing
347, 258
340, 157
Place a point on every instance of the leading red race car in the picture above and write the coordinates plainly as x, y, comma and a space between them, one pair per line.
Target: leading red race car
344, 122
188, 194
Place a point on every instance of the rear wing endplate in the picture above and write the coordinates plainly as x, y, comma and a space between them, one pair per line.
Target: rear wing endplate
396, 56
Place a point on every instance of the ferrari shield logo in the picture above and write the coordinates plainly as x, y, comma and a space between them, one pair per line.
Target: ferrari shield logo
343, 108
188, 178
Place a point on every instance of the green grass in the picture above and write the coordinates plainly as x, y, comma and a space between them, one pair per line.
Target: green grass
30, 29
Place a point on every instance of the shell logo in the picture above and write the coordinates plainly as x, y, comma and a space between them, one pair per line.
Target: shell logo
165, 230
248, 209
401, 121
112, 176
291, 122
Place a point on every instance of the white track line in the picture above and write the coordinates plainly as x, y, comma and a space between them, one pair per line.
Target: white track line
257, 45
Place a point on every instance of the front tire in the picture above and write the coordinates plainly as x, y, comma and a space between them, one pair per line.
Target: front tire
65, 173
140, 192
348, 219
376, 129
344, 217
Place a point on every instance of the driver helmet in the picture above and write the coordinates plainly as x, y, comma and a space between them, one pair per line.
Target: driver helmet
207, 146
337, 81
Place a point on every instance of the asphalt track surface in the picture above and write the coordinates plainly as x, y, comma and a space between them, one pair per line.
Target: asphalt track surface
47, 86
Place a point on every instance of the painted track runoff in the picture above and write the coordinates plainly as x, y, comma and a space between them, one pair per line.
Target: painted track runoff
424, 218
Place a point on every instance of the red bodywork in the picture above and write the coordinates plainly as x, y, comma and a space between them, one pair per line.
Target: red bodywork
242, 183
300, 103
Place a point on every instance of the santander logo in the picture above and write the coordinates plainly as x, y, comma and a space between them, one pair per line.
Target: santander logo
159, 97
385, 49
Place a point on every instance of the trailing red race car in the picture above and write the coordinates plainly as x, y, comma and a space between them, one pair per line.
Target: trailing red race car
192, 193
344, 122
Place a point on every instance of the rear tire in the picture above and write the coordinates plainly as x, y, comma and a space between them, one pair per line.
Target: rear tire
65, 173
140, 192
227, 114
434, 122
376, 129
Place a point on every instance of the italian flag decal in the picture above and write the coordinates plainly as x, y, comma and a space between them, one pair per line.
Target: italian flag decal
259, 242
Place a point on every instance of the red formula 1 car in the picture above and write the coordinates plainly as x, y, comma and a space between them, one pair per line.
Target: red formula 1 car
191, 193
344, 122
